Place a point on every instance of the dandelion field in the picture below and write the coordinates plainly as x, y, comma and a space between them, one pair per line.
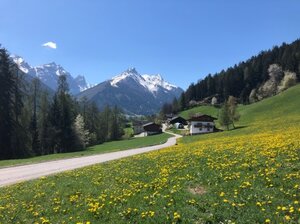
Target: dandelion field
249, 175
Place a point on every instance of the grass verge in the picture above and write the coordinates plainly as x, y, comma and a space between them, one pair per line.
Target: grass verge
97, 149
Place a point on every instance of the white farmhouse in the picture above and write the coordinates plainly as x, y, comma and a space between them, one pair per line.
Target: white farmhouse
201, 124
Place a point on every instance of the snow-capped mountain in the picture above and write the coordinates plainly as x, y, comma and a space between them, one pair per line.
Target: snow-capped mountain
49, 73
134, 93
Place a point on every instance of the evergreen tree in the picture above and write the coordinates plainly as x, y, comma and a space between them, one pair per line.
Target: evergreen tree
7, 82
241, 79
33, 123
175, 106
63, 118
12, 133
44, 125
116, 124
182, 102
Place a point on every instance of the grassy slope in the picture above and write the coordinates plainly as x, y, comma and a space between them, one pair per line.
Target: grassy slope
213, 111
98, 149
266, 114
248, 175
266, 109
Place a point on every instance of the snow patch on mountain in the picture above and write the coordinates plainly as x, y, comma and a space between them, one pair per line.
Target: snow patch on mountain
135, 94
156, 81
49, 73
23, 66
152, 83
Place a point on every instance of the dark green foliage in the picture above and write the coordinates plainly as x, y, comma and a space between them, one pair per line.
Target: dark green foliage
44, 126
224, 117
35, 122
228, 113
62, 119
233, 114
239, 80
12, 138
182, 102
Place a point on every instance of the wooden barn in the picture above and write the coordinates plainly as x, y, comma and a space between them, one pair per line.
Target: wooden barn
138, 127
152, 128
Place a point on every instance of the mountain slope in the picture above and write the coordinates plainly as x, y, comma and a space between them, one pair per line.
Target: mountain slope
49, 73
248, 77
134, 93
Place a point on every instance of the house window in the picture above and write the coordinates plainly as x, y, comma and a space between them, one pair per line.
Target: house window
209, 127
198, 125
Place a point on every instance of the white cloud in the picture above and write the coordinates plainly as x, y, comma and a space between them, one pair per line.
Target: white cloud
50, 44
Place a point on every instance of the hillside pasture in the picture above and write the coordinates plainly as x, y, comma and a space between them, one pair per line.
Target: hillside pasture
248, 175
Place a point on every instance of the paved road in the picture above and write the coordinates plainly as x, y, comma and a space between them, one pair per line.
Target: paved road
17, 174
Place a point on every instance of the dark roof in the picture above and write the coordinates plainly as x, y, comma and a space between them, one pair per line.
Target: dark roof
178, 119
152, 127
148, 124
138, 123
169, 116
202, 117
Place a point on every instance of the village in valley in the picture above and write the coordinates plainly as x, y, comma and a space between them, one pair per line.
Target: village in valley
197, 124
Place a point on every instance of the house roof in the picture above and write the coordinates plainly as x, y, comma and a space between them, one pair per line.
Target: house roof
150, 124
202, 117
178, 119
152, 127
138, 123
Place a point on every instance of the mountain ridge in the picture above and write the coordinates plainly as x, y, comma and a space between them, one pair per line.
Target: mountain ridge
49, 73
135, 93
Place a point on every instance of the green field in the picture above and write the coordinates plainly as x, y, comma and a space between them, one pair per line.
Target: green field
247, 175
212, 111
98, 149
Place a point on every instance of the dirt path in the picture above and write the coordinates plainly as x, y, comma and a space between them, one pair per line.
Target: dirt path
17, 174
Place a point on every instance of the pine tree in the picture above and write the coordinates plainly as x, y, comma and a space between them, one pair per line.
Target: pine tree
62, 118
6, 106
44, 125
12, 134
182, 102
35, 146
115, 125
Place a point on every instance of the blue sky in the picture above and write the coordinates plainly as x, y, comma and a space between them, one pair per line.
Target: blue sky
183, 40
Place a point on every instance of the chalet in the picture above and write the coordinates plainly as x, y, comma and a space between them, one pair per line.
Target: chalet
138, 127
178, 119
152, 129
178, 126
201, 124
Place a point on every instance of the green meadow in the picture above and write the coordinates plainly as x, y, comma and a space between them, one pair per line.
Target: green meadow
97, 149
247, 175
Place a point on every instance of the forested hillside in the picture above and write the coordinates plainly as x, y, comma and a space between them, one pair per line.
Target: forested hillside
36, 122
253, 79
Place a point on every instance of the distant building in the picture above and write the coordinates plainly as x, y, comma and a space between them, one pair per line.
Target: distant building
152, 128
138, 127
178, 126
201, 124
178, 119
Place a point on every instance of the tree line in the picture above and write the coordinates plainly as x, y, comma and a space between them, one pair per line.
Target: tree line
241, 79
34, 121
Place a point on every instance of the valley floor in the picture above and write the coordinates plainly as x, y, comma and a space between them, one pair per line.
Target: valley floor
247, 175
17, 174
